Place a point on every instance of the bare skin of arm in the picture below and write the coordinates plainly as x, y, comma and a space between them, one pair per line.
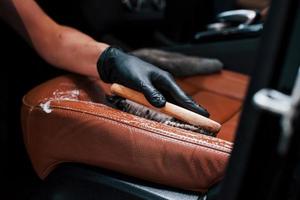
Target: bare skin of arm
61, 46
74, 51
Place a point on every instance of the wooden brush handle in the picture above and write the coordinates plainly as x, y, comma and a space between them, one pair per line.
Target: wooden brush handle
169, 109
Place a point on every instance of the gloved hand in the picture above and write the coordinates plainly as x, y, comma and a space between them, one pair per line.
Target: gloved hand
115, 66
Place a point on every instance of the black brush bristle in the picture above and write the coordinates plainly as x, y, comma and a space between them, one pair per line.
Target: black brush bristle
147, 113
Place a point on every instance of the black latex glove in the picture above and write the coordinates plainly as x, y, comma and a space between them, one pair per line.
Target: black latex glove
115, 66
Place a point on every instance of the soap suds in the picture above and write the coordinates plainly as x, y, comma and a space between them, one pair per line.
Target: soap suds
72, 95
46, 107
66, 95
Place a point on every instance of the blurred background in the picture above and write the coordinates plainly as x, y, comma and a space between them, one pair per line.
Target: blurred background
130, 24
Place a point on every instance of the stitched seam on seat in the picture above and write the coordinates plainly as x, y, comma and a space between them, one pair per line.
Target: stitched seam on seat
156, 131
224, 148
166, 138
106, 107
160, 131
183, 140
163, 137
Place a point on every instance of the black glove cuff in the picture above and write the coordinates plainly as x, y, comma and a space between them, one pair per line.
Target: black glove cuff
105, 65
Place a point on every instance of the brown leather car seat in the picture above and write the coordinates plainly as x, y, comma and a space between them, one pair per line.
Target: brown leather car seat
65, 120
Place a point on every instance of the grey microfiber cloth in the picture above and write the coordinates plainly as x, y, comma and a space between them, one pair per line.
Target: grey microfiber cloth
179, 65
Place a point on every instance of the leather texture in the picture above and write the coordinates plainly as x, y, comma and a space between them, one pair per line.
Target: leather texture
66, 120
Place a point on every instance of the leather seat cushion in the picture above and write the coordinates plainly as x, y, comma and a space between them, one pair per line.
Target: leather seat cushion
66, 120
222, 94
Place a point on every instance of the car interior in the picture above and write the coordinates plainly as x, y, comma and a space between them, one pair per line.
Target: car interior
255, 97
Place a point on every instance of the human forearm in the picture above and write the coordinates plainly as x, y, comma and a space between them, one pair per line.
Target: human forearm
61, 46
71, 50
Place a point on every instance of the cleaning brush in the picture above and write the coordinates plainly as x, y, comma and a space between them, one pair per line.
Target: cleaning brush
135, 103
